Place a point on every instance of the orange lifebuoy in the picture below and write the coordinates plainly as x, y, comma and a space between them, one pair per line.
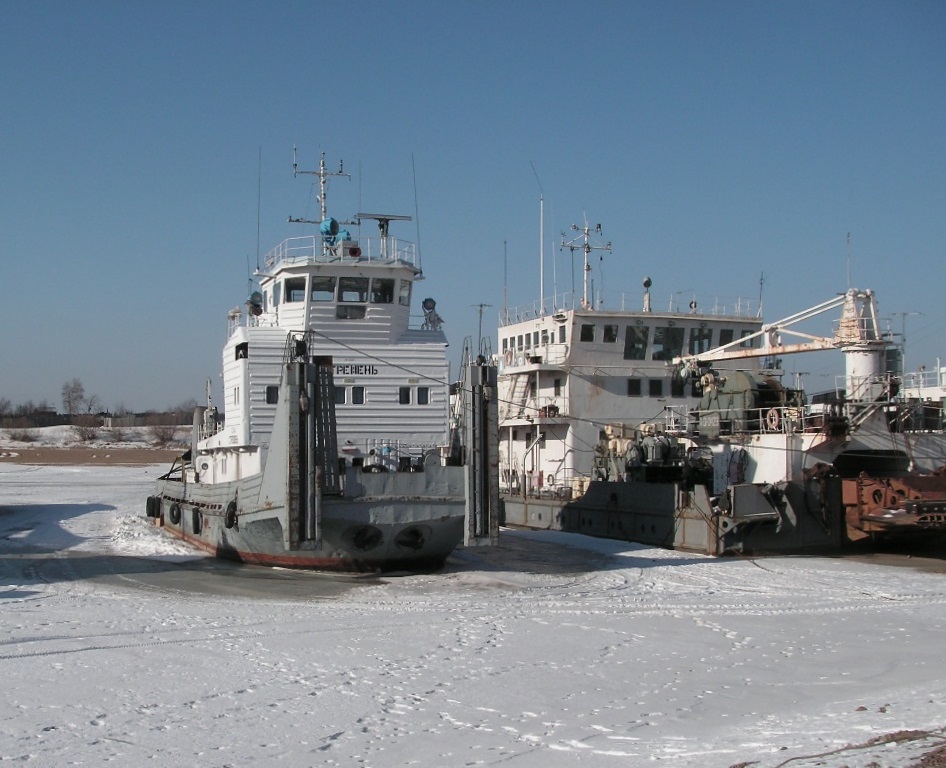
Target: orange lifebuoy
772, 418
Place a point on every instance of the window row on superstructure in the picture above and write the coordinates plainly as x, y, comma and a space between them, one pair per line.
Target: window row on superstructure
657, 387
347, 291
357, 395
641, 342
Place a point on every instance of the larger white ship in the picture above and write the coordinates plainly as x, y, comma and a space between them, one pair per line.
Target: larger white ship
338, 447
674, 428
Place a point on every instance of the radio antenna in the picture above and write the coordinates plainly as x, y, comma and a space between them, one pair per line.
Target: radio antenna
479, 343
505, 284
416, 213
848, 259
541, 241
259, 193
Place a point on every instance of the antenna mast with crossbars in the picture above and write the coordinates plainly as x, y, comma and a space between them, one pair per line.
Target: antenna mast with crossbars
583, 241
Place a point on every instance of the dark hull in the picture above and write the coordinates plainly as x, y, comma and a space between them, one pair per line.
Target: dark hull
670, 515
397, 521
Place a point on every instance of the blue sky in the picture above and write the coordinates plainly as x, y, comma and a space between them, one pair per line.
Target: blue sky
714, 142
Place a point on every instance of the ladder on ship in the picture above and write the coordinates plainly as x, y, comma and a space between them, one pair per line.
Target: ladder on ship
312, 462
517, 397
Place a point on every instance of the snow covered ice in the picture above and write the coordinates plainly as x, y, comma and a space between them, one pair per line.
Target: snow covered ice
120, 645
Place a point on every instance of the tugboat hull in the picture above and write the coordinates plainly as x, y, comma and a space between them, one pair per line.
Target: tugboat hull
384, 521
343, 444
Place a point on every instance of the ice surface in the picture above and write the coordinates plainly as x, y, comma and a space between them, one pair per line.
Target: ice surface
120, 645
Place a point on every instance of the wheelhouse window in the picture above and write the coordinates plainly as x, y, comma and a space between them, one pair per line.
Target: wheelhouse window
323, 288
655, 387
350, 311
404, 293
678, 385
358, 395
272, 394
562, 334
404, 395
668, 342
295, 289
701, 340
340, 393
635, 342
587, 332
610, 334
747, 343
382, 290
726, 336
353, 289
423, 395
634, 388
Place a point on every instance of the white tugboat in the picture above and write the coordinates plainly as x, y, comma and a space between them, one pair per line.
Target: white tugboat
674, 428
338, 447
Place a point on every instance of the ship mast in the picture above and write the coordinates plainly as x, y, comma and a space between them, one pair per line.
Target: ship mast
583, 241
324, 175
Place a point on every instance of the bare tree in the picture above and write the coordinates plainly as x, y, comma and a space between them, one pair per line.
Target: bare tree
6, 407
86, 426
184, 411
73, 397
162, 428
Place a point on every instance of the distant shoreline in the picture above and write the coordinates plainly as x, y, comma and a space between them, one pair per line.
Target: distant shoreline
84, 455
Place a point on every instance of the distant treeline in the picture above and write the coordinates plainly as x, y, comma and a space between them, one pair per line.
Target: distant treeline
49, 418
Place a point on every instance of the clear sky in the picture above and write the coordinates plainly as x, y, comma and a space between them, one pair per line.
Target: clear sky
714, 141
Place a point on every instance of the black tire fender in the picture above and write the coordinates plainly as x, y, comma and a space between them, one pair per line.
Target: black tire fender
230, 517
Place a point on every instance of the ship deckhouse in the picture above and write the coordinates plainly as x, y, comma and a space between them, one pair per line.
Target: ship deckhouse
567, 374
347, 298
623, 359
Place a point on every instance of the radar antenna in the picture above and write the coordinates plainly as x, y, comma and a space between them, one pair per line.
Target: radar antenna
384, 222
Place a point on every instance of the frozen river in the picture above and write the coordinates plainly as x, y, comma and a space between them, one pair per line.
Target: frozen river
118, 645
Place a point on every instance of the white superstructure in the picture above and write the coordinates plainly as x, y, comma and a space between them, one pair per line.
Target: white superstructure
569, 369
347, 299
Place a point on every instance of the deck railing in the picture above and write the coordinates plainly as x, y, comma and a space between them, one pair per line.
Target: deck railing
312, 249
679, 304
